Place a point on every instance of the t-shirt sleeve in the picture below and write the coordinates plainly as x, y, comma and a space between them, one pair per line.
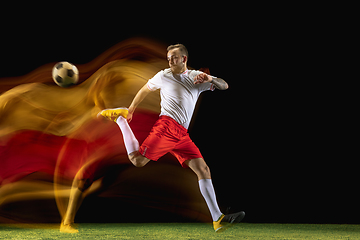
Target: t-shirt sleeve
155, 82
202, 86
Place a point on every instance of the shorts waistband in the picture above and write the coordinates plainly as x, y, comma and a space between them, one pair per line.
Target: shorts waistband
173, 121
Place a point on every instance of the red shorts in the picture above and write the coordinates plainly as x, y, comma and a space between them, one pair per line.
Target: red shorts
169, 136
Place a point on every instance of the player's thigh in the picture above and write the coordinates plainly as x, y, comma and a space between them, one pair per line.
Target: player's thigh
186, 150
156, 145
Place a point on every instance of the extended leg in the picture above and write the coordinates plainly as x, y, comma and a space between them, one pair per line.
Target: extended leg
201, 169
220, 221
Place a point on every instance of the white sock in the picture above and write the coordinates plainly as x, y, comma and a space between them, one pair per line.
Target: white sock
207, 190
131, 143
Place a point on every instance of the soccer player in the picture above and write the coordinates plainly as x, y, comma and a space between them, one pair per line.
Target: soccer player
179, 90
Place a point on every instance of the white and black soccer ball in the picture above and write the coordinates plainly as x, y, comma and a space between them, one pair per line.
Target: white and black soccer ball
65, 74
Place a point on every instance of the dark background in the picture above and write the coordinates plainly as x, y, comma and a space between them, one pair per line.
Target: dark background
275, 140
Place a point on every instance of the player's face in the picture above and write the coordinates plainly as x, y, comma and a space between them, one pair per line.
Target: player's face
176, 61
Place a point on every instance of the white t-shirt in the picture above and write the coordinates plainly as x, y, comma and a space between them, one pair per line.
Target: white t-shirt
178, 93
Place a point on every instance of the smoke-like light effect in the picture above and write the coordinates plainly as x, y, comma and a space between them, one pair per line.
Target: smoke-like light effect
50, 135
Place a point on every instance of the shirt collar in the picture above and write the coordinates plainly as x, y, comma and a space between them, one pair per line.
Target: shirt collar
185, 72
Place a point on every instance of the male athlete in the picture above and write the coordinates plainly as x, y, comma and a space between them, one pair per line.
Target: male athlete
179, 91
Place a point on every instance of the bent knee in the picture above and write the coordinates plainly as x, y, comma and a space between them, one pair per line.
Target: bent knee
200, 167
138, 160
138, 163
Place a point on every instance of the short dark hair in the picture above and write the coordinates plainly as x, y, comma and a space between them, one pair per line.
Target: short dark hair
181, 47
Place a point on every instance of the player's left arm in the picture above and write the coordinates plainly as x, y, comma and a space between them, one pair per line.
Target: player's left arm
218, 82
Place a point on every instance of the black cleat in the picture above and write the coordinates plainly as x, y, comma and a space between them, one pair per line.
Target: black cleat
226, 221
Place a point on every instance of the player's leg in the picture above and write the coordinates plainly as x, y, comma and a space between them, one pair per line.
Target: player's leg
220, 221
131, 144
75, 199
202, 171
137, 159
119, 115
80, 189
200, 168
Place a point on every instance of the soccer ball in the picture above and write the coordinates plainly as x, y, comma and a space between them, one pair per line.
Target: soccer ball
65, 74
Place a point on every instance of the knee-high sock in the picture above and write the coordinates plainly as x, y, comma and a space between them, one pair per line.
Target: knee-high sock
207, 190
131, 143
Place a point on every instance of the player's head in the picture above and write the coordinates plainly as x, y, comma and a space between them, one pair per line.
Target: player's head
177, 56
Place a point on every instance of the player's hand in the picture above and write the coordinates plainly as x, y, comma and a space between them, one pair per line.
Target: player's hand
202, 78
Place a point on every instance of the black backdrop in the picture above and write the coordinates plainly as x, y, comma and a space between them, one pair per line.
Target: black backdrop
271, 140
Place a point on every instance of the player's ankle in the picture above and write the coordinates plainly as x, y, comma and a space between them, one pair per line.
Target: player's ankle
66, 222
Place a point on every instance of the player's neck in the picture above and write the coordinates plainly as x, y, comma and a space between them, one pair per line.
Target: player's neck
184, 68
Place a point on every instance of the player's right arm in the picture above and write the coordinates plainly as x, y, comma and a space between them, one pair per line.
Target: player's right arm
143, 92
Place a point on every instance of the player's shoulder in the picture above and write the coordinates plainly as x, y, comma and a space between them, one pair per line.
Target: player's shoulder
158, 75
162, 72
166, 73
193, 73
